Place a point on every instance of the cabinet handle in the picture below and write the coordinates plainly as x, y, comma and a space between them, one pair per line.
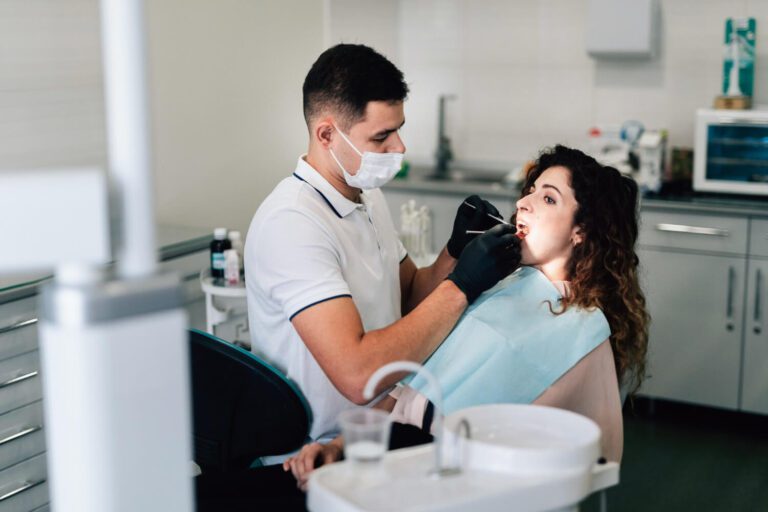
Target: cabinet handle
21, 488
758, 328
733, 120
20, 378
17, 325
25, 431
694, 230
729, 305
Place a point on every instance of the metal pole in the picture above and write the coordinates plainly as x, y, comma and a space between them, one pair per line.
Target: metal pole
128, 130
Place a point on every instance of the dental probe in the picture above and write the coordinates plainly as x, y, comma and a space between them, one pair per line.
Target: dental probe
518, 234
499, 219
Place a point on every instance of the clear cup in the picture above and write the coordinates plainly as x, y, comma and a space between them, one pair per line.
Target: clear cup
366, 434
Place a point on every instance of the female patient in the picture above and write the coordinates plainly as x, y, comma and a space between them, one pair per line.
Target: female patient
563, 330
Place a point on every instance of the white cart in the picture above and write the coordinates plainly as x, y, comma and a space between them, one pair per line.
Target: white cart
226, 312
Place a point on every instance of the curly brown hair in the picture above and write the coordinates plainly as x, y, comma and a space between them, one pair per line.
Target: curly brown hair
603, 269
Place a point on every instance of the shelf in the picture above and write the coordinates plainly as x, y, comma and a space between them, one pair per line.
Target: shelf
210, 286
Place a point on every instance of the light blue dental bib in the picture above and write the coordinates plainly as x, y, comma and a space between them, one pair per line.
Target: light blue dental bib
508, 347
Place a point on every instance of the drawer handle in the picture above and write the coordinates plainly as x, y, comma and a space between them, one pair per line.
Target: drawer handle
729, 306
191, 276
18, 325
18, 379
21, 488
758, 328
25, 431
694, 230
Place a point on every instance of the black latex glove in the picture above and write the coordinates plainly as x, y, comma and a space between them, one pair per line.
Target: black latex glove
468, 218
486, 260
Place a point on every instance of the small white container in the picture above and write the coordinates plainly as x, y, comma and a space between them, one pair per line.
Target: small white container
231, 267
237, 244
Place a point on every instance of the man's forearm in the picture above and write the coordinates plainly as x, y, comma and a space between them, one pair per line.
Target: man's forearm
415, 336
428, 278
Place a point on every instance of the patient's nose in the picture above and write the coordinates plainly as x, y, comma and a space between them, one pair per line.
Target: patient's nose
523, 203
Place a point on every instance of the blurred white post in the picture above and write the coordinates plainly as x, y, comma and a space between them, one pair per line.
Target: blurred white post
114, 352
128, 128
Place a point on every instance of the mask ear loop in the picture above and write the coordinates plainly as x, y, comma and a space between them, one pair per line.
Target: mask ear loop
333, 155
347, 140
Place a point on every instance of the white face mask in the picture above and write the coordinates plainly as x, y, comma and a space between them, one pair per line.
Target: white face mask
376, 169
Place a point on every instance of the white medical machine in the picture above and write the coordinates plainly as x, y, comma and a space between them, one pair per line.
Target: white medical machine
113, 343
497, 457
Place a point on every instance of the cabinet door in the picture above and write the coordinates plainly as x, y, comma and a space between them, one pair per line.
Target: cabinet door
695, 301
442, 208
755, 374
442, 212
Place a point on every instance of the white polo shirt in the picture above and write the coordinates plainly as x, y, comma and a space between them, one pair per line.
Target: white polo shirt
307, 244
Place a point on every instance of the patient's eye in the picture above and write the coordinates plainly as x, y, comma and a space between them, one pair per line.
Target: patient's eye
549, 200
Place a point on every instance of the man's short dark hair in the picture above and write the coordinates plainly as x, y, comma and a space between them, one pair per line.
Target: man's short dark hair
346, 77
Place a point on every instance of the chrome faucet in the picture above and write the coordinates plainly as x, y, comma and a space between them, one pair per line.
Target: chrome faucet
443, 153
409, 366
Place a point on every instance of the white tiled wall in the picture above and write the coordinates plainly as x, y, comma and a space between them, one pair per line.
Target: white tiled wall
225, 93
50, 84
522, 77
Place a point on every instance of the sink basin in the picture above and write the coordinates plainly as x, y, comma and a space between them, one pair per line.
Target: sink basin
526, 438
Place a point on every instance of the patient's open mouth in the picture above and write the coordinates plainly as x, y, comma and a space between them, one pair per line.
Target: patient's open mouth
522, 230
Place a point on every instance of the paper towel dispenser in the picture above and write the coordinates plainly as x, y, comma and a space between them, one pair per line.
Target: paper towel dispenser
622, 28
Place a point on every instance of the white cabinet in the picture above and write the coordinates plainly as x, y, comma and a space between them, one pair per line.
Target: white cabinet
23, 484
696, 305
755, 371
443, 207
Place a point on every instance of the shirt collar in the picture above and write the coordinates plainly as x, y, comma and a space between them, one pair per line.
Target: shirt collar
335, 199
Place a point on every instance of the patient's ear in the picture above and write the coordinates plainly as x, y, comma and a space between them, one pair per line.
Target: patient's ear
577, 235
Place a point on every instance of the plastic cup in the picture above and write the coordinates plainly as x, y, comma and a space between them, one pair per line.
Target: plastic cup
366, 434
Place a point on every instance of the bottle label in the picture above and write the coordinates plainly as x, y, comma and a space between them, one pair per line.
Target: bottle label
217, 261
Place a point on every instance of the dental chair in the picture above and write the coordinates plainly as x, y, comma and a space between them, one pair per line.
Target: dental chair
243, 408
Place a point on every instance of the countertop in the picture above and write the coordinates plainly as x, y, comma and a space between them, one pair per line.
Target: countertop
418, 180
715, 204
709, 204
458, 188
173, 241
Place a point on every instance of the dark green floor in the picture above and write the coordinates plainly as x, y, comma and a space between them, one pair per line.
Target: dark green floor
681, 458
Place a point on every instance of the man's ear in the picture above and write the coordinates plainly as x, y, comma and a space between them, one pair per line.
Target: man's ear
323, 132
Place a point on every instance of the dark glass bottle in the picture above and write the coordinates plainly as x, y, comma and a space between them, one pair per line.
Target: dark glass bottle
219, 244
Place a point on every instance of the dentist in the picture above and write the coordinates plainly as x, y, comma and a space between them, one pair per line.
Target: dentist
332, 293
